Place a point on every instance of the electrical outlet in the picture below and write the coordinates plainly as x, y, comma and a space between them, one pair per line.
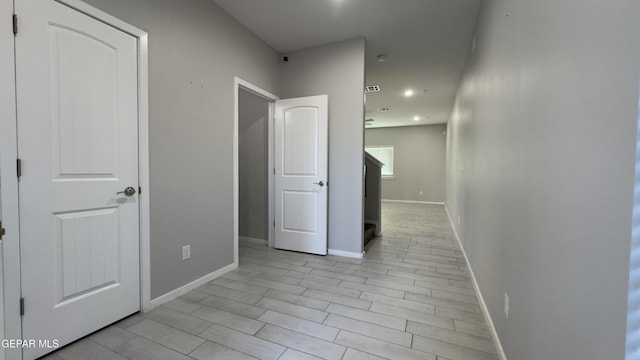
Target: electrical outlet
186, 252
507, 304
458, 219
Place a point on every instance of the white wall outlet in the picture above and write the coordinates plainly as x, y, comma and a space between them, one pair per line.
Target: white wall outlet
186, 252
507, 304
420, 192
458, 219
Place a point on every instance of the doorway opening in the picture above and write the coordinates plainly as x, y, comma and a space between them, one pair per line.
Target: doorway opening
253, 159
296, 131
253, 167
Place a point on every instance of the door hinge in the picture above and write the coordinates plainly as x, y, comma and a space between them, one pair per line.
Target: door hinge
274, 223
2, 231
15, 24
19, 167
21, 306
139, 190
274, 171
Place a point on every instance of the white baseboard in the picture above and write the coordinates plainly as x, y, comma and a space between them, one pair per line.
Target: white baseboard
253, 240
413, 202
348, 254
190, 286
483, 304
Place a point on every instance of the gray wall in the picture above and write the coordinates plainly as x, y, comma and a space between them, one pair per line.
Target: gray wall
418, 164
373, 193
337, 70
541, 158
253, 154
195, 49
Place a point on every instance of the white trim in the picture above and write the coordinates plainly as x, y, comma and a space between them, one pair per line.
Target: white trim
271, 165
238, 84
103, 16
349, 254
143, 170
476, 287
190, 286
236, 172
8, 155
413, 202
9, 190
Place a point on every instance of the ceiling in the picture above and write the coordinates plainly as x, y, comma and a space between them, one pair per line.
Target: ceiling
425, 42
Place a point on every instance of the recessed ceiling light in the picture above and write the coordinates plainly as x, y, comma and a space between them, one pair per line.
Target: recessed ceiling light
383, 109
369, 120
416, 118
382, 58
408, 93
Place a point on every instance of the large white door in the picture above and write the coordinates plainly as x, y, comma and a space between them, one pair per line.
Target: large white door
301, 173
78, 142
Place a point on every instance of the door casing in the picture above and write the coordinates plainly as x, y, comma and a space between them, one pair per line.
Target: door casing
9, 154
10, 292
238, 84
271, 98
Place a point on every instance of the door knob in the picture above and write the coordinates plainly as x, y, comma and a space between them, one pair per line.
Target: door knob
321, 183
129, 191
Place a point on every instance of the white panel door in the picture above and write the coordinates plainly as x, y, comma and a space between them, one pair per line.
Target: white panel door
78, 141
301, 169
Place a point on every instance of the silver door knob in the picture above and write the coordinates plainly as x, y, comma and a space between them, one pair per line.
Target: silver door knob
321, 183
129, 191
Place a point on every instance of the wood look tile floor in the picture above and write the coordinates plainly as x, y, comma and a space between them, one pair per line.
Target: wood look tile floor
410, 298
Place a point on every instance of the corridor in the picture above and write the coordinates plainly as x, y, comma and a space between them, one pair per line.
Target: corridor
410, 298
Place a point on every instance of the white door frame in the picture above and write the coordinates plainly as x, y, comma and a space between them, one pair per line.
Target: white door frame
9, 154
238, 84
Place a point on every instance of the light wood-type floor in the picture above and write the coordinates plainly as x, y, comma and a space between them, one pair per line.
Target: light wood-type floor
410, 298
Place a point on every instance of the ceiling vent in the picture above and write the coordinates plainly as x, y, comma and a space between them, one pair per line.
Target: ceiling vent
372, 88
383, 109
